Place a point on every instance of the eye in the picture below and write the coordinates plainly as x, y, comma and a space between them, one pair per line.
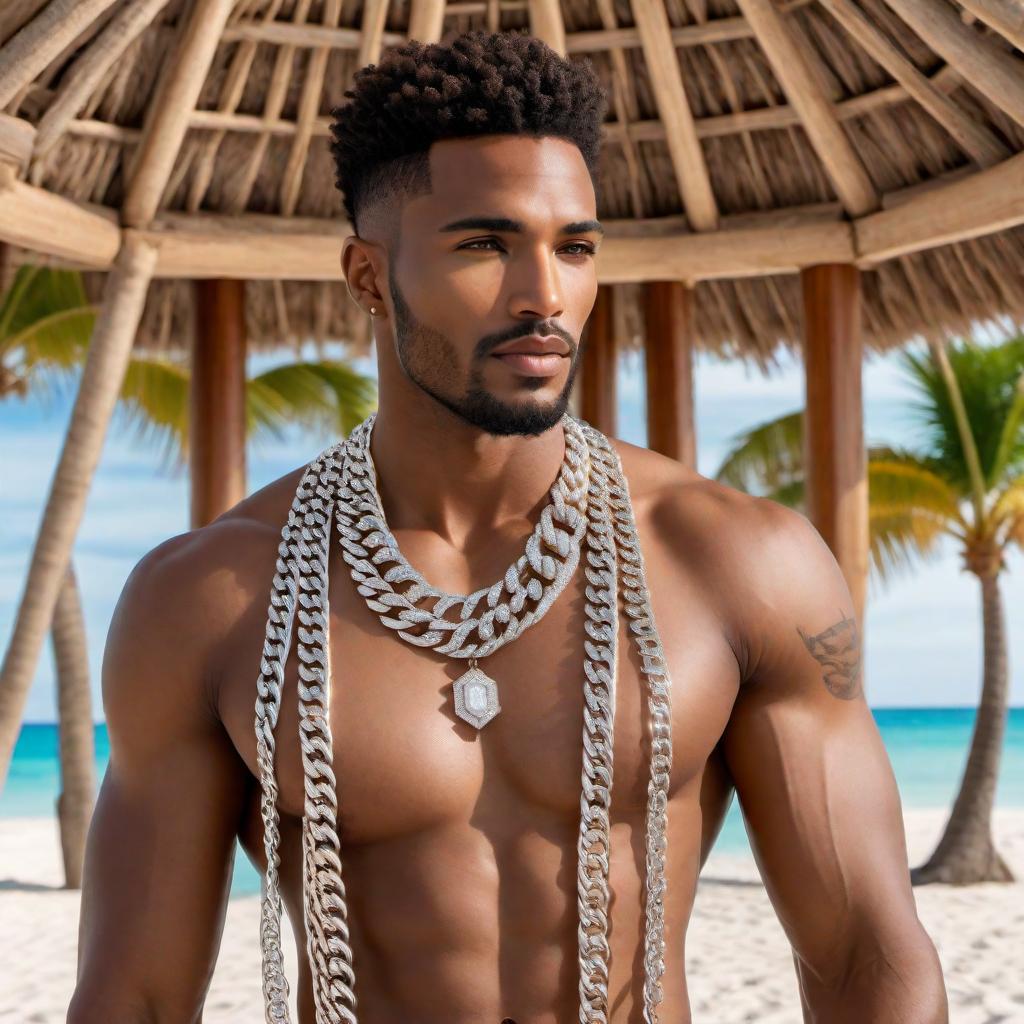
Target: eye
479, 241
588, 250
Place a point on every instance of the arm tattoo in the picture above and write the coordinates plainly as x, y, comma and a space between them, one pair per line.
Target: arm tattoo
838, 651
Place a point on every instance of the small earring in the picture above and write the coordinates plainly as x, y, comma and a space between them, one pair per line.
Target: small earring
373, 309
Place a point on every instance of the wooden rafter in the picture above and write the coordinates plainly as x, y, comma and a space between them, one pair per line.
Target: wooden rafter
1005, 16
716, 30
546, 23
273, 104
791, 64
975, 140
674, 109
626, 109
989, 201
82, 78
986, 65
371, 33
169, 112
294, 33
426, 19
309, 102
29, 51
231, 96
43, 222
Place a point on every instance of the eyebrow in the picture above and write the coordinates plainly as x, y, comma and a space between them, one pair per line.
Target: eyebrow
517, 227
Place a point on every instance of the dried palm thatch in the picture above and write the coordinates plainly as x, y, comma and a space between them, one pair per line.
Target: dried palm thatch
746, 138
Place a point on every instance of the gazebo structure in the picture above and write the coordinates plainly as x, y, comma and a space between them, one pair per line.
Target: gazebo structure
815, 174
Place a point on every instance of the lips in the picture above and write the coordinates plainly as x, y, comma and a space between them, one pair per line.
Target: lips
535, 344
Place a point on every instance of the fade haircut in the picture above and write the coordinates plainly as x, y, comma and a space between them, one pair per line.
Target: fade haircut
475, 83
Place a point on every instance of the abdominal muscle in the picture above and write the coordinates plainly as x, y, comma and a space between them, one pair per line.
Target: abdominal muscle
475, 922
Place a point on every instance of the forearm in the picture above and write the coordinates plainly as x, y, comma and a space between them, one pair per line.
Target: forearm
879, 986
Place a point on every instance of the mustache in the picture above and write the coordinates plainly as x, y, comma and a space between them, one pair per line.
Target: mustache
487, 345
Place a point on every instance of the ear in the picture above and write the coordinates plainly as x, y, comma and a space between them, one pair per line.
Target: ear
361, 261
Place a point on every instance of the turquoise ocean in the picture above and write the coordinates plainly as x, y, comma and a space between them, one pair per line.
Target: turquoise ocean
927, 748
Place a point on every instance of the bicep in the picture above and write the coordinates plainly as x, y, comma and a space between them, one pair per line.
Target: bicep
812, 775
159, 854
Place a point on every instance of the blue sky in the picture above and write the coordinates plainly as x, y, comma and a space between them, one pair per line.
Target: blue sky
922, 631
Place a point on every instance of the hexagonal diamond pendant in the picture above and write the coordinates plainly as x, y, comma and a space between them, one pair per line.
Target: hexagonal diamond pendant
476, 697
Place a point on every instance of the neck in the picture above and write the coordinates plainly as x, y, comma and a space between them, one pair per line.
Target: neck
437, 472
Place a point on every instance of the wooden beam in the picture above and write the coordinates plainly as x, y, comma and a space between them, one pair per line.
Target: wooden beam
716, 30
17, 137
668, 356
791, 64
995, 73
781, 116
546, 23
83, 77
312, 92
35, 219
426, 19
102, 375
217, 419
169, 111
981, 204
674, 110
1005, 16
29, 51
284, 33
974, 138
598, 365
835, 461
371, 33
721, 254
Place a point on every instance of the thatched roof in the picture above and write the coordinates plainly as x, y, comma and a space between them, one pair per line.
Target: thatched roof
746, 139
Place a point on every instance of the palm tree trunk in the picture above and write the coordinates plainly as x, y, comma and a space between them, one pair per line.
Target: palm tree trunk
102, 377
77, 739
966, 852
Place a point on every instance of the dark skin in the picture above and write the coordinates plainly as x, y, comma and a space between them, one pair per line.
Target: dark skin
459, 846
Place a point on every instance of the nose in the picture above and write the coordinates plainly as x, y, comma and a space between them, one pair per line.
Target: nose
538, 286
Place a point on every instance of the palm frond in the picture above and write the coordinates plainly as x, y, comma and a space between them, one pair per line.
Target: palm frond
901, 481
766, 458
46, 313
154, 401
987, 377
1009, 454
899, 538
326, 396
1008, 512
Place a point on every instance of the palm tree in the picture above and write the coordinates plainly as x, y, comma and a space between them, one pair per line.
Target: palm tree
46, 321
966, 481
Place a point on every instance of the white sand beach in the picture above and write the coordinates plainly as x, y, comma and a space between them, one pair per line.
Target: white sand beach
738, 960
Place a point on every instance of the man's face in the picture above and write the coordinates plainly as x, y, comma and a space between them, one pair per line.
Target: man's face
501, 249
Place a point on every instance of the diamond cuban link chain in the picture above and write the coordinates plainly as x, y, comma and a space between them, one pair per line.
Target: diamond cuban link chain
326, 490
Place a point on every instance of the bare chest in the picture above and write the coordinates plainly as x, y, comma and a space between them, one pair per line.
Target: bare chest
404, 762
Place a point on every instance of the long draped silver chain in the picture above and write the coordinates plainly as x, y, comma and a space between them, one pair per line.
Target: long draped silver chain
336, 486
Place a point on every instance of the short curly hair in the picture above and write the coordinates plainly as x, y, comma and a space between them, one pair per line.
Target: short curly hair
474, 83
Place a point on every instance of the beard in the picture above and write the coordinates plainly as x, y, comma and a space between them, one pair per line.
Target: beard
429, 360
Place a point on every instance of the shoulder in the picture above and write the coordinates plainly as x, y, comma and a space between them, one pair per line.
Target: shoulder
685, 507
765, 565
183, 598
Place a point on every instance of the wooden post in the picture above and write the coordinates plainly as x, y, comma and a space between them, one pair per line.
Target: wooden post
217, 400
103, 373
668, 355
597, 371
834, 455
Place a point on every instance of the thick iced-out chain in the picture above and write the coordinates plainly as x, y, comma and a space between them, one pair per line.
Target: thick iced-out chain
613, 556
301, 580
508, 607
655, 669
600, 647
